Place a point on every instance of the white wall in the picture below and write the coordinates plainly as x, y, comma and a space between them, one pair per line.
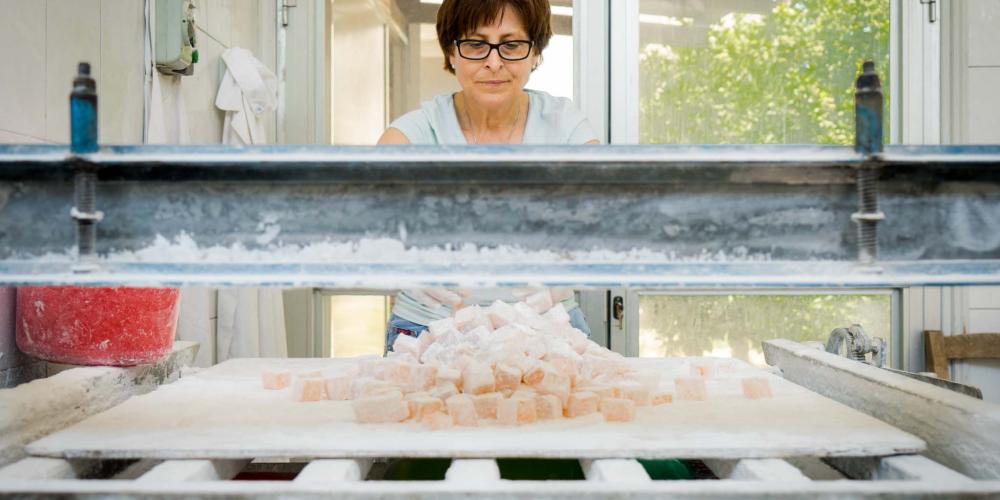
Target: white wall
41, 42
953, 311
983, 317
222, 24
971, 62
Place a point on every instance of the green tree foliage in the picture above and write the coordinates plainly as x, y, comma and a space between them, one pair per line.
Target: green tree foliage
694, 325
782, 78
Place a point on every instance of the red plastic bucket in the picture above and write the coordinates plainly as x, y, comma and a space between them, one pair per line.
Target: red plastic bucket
96, 326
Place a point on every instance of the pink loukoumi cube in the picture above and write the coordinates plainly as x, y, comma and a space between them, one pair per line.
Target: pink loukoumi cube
406, 344
385, 408
486, 404
436, 420
309, 389
444, 390
618, 410
276, 379
539, 302
477, 378
690, 388
507, 377
581, 403
462, 409
516, 411
757, 388
548, 407
662, 398
339, 388
419, 407
702, 369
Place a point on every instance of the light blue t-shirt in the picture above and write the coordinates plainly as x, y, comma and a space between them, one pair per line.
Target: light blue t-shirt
551, 120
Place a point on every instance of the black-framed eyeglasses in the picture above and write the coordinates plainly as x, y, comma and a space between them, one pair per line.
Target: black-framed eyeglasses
510, 50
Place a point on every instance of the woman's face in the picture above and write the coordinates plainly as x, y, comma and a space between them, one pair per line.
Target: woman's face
494, 81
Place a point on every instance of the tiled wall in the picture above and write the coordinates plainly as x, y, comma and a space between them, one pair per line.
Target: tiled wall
41, 49
40, 52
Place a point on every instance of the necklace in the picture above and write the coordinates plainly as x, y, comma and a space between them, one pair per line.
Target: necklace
475, 135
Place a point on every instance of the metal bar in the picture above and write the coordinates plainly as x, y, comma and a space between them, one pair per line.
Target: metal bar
679, 211
739, 164
409, 273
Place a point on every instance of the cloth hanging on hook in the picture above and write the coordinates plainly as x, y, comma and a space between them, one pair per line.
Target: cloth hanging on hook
249, 90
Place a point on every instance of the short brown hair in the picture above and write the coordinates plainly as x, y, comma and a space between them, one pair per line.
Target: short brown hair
458, 18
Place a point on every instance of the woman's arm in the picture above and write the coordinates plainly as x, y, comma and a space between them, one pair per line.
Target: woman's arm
392, 136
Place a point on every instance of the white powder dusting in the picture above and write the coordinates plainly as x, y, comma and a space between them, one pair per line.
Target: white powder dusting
224, 412
184, 248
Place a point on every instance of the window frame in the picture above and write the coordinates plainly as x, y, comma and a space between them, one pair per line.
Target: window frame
609, 39
896, 341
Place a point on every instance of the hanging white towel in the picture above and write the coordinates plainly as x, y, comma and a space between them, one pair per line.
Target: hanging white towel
248, 91
251, 324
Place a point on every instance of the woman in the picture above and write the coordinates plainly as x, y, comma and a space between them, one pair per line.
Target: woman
491, 46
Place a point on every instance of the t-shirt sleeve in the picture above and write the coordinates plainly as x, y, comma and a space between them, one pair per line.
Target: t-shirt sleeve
583, 132
415, 126
576, 123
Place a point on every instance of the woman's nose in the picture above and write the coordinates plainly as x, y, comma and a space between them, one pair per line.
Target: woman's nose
493, 61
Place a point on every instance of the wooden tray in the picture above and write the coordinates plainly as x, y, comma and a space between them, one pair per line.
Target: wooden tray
223, 412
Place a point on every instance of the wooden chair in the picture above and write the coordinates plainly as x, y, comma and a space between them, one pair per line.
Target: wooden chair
939, 349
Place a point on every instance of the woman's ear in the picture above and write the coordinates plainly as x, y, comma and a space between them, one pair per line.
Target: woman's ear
536, 61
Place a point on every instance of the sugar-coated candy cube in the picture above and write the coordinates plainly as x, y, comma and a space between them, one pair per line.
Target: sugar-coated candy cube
690, 388
477, 378
421, 406
385, 408
507, 377
581, 403
757, 388
662, 398
486, 404
444, 390
548, 406
618, 410
309, 389
339, 388
406, 344
539, 302
516, 411
276, 379
436, 420
462, 410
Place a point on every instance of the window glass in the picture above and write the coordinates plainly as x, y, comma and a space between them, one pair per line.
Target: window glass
357, 325
756, 71
386, 61
734, 325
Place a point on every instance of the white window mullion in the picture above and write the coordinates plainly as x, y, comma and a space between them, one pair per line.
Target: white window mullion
624, 63
591, 81
920, 58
